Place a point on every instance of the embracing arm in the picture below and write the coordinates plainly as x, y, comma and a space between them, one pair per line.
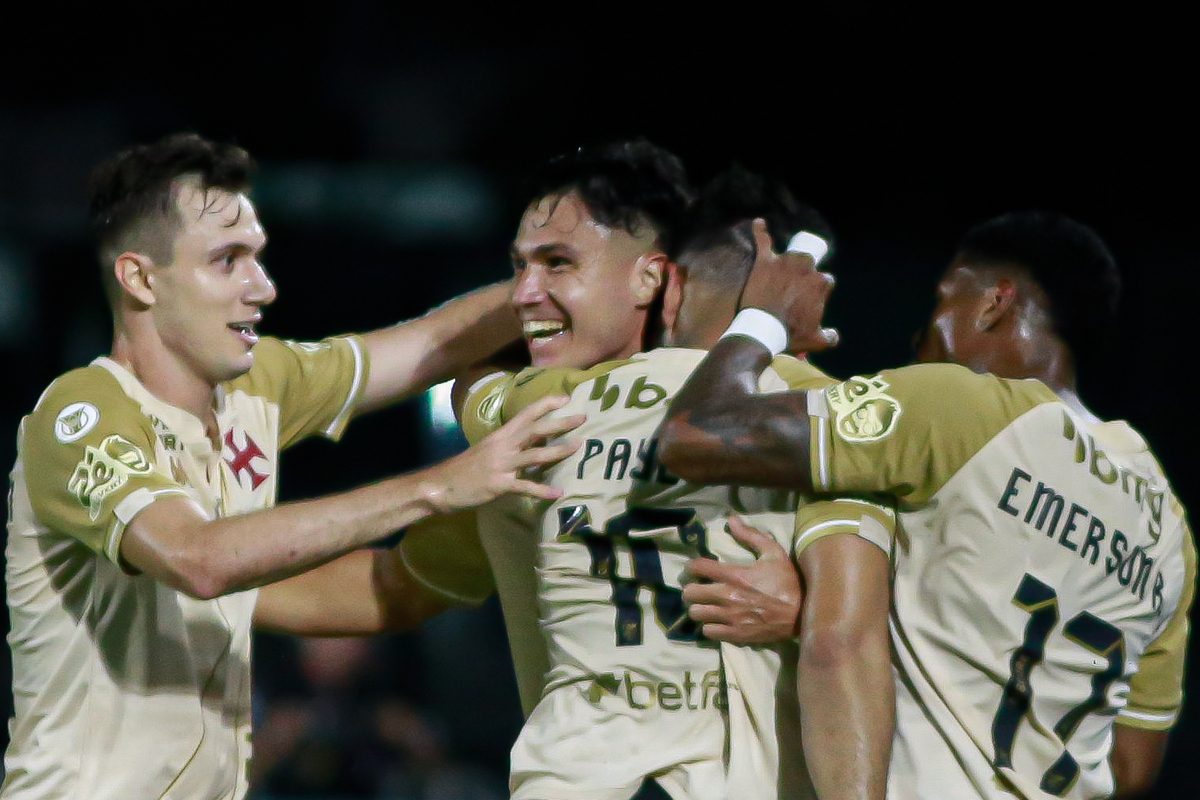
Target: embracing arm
412, 355
173, 541
844, 677
719, 430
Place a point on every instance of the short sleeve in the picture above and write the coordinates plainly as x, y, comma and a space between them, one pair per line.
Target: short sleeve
316, 385
444, 554
820, 518
89, 457
1156, 689
905, 432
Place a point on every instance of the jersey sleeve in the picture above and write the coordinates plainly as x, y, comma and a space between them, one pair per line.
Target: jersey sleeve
315, 384
494, 399
444, 554
1156, 689
825, 517
89, 457
905, 432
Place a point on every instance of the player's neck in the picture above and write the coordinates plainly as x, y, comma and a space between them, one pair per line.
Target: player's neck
1051, 362
164, 375
703, 317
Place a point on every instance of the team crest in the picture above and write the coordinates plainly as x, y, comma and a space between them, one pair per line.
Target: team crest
104, 470
75, 421
862, 410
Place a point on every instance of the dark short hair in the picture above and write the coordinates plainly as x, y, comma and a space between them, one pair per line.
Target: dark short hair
1067, 259
624, 185
715, 243
138, 186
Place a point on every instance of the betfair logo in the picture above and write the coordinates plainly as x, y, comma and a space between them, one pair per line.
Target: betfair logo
862, 410
641, 693
642, 394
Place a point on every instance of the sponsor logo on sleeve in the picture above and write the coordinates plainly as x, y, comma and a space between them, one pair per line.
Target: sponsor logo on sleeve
75, 421
488, 409
862, 409
104, 470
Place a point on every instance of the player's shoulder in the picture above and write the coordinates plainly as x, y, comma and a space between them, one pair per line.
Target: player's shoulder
76, 402
800, 374
951, 389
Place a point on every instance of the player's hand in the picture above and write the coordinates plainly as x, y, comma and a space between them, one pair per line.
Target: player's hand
756, 603
500, 463
789, 286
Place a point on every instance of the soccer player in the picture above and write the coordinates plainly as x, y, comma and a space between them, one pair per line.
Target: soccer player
1043, 568
141, 517
626, 698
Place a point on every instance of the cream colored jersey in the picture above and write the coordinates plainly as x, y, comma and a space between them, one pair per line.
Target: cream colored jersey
633, 690
1043, 573
123, 687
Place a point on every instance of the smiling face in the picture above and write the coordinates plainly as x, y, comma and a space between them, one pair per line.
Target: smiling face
583, 289
207, 300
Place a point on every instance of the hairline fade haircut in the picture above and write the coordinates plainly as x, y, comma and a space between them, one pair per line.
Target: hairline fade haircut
134, 194
716, 244
624, 185
1067, 259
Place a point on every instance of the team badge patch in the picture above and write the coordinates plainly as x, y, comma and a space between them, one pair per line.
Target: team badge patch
862, 409
104, 470
75, 421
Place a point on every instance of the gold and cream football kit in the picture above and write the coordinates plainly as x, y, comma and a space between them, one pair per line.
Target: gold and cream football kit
1043, 571
631, 689
124, 687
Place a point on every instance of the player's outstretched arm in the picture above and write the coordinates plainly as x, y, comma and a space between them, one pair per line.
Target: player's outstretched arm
408, 357
844, 677
173, 541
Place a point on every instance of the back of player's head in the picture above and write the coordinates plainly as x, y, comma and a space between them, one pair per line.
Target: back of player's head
1066, 258
133, 194
716, 244
624, 185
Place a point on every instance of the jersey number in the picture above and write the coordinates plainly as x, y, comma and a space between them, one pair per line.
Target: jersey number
575, 524
1090, 632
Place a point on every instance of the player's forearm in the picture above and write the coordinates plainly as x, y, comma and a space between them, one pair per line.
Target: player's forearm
719, 430
363, 592
847, 703
413, 355
210, 558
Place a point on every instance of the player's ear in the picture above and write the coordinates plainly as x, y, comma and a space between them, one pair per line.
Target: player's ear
998, 301
672, 297
648, 275
133, 274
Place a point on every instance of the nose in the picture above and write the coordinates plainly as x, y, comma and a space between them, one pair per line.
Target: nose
260, 289
530, 289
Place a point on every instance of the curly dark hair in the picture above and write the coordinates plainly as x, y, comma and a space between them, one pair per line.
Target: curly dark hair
715, 242
1067, 259
624, 185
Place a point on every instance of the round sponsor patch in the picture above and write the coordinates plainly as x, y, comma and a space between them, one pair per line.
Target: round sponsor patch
75, 421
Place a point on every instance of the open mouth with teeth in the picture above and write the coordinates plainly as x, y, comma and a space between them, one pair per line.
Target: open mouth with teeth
543, 328
245, 330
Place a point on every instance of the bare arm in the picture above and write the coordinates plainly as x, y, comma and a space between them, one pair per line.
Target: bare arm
364, 592
413, 355
844, 678
718, 429
174, 542
1137, 758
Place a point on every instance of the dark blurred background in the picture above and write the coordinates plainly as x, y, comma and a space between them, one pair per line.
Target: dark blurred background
392, 150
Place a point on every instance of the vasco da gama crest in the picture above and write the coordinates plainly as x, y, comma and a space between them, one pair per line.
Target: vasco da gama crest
862, 409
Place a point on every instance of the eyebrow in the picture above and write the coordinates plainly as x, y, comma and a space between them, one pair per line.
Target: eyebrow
236, 247
544, 250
